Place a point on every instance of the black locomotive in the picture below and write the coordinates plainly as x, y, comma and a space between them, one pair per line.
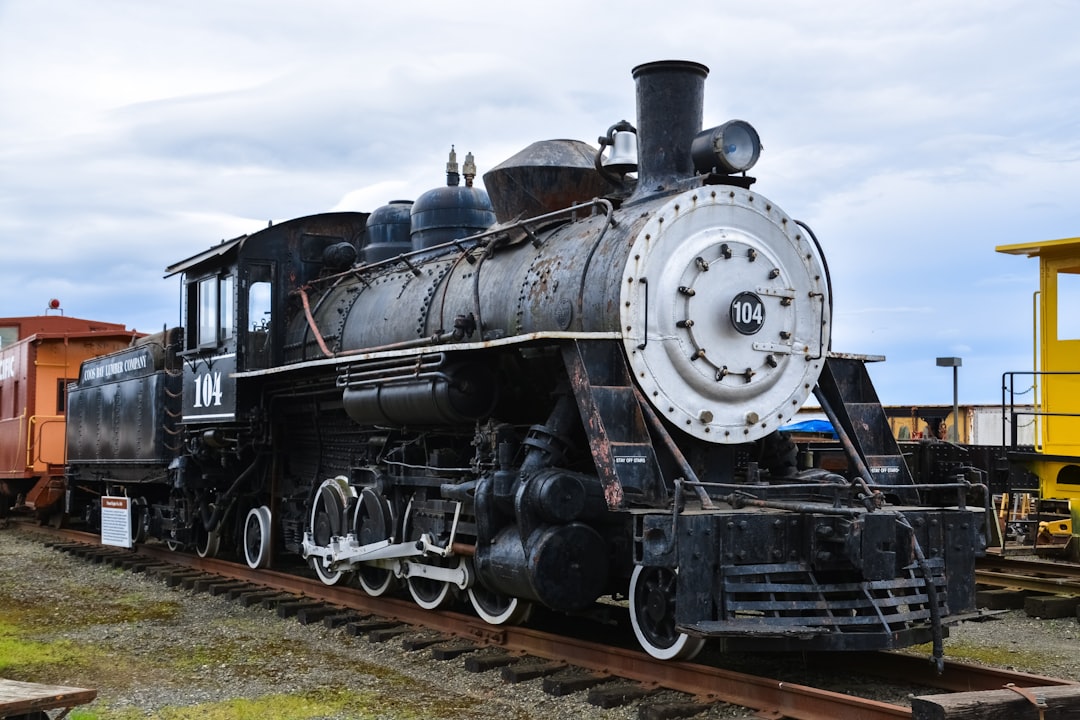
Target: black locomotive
564, 388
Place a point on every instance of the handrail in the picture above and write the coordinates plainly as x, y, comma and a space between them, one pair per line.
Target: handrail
34, 440
1008, 404
1036, 338
1035, 334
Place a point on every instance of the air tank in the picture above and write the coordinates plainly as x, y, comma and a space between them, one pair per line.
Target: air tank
388, 232
451, 212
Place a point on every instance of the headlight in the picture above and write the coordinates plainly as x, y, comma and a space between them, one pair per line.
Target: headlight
730, 148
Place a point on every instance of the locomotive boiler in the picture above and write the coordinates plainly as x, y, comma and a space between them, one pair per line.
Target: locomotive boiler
566, 386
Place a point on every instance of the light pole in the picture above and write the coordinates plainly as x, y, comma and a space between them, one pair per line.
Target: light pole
954, 363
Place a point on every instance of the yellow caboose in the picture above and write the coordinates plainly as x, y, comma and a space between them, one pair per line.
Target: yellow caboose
1055, 457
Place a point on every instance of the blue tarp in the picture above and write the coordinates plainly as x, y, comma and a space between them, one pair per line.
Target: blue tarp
810, 426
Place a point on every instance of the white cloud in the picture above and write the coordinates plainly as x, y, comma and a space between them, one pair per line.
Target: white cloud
914, 137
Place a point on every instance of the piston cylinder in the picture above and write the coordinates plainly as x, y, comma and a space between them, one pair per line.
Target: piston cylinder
565, 568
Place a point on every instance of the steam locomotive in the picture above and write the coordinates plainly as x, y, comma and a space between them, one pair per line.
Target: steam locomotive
566, 387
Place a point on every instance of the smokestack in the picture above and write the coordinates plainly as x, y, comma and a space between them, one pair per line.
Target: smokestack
669, 115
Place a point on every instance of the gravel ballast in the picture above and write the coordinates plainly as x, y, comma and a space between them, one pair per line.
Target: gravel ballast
153, 651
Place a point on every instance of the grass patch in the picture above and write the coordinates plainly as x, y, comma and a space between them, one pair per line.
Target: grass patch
20, 657
992, 655
62, 632
308, 705
44, 614
32, 625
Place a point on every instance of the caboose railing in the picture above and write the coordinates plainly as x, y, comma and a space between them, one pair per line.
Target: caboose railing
1011, 413
36, 440
31, 447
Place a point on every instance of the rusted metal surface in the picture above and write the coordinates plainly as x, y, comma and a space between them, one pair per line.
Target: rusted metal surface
919, 670
544, 177
1054, 586
1034, 575
599, 442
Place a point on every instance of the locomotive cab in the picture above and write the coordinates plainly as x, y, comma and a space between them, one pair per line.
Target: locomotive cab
238, 298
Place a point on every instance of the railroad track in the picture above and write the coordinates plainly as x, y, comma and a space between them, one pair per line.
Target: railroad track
1035, 575
611, 675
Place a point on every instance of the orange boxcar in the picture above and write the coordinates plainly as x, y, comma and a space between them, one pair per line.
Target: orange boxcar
39, 356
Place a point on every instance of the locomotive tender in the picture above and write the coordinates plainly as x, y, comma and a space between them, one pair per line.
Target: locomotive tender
567, 387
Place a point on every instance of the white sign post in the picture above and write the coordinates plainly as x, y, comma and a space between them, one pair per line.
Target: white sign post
116, 521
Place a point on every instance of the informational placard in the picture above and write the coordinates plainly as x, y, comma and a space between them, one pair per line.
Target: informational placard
116, 521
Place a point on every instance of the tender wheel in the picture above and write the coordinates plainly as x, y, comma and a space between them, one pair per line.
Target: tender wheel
257, 537
652, 613
498, 609
138, 520
373, 521
328, 521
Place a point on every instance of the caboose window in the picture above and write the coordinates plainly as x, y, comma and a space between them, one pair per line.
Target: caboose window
61, 395
1068, 297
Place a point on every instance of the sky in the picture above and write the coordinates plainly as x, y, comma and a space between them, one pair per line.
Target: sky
912, 137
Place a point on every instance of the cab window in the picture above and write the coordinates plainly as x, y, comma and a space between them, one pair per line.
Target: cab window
226, 302
211, 309
259, 316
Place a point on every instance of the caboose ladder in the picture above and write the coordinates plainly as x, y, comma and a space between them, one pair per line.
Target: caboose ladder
846, 392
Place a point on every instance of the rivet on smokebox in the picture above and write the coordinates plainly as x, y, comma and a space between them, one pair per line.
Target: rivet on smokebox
752, 418
705, 416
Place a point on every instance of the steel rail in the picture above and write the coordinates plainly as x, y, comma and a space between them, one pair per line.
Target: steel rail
1028, 566
919, 670
1053, 586
1034, 575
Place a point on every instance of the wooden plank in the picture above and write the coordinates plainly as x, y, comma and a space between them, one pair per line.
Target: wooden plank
1000, 599
1051, 606
1061, 701
24, 697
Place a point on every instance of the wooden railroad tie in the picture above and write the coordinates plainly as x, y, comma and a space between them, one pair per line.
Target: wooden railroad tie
1054, 702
